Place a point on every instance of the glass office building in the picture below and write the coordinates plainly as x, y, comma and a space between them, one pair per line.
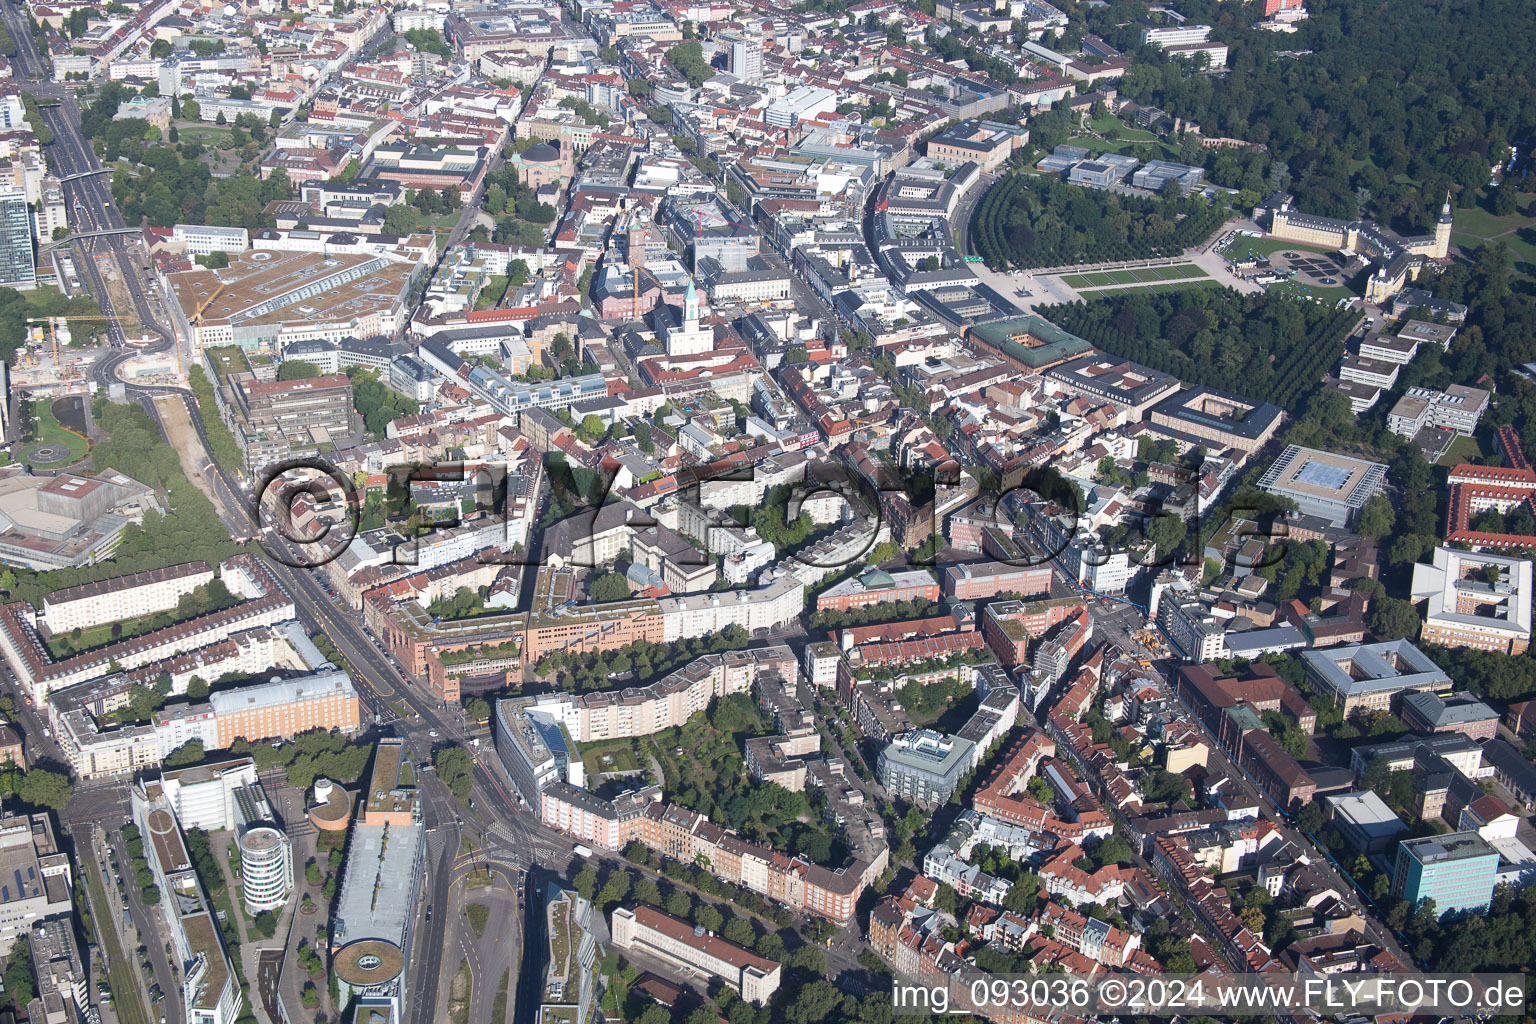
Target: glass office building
17, 268
1456, 871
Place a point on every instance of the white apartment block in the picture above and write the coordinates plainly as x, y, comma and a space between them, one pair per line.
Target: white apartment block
407, 19
680, 944
1105, 571
202, 239
93, 754
1457, 408
1388, 349
1193, 629
52, 211
1371, 372
1475, 599
1175, 35
180, 724
125, 597
204, 796
695, 615
667, 703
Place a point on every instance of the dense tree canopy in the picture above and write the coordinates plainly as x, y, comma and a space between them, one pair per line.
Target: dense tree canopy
688, 58
1029, 221
428, 40
1403, 101
375, 403
171, 188
1267, 346
309, 756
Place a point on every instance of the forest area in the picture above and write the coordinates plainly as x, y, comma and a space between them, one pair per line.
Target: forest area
1029, 221
1268, 347
1392, 106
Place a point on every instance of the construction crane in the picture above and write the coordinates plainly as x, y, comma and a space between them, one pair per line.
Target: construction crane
53, 335
197, 317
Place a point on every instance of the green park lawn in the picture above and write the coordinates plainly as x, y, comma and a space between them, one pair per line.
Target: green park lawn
49, 431
66, 644
1242, 245
1123, 145
1463, 449
1142, 276
1475, 226
495, 288
1113, 127
1167, 286
1181, 272
206, 133
1094, 280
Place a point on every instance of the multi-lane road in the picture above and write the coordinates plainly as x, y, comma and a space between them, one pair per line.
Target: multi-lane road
384, 688
87, 196
423, 721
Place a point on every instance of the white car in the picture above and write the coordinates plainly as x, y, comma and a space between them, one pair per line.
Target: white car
433, 734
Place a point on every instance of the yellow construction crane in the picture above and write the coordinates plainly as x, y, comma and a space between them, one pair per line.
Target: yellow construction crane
53, 335
197, 317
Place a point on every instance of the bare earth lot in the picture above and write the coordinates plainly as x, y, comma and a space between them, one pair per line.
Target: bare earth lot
189, 450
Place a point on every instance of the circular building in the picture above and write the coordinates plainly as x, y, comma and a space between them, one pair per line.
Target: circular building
331, 808
540, 164
266, 869
368, 967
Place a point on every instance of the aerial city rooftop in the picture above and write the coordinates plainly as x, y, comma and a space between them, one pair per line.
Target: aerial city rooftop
662, 510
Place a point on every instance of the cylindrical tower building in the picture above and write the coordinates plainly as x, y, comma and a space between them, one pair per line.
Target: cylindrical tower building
266, 869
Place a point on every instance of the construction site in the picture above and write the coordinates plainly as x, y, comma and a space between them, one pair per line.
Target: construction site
58, 353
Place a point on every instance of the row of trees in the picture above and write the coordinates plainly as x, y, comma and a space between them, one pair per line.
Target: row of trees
221, 443
1030, 221
895, 611
1265, 346
138, 866
648, 661
308, 756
